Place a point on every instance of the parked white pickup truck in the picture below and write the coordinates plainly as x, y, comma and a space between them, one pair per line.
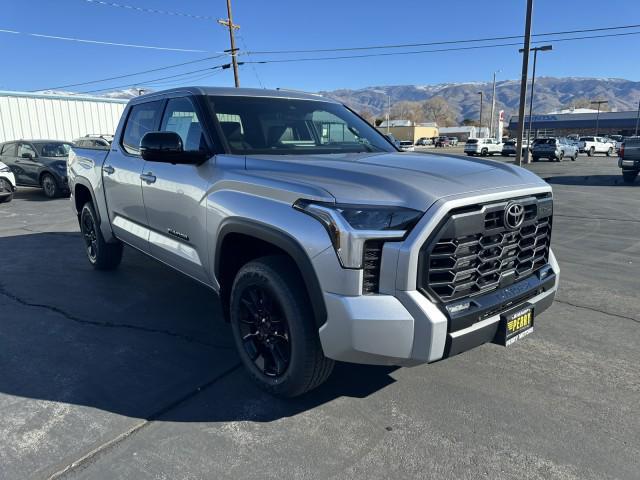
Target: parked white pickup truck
593, 145
482, 146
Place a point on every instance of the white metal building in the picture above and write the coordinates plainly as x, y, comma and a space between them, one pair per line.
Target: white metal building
26, 115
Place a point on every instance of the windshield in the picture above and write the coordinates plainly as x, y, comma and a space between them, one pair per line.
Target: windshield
279, 126
53, 149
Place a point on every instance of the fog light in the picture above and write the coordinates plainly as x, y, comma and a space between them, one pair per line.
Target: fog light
458, 307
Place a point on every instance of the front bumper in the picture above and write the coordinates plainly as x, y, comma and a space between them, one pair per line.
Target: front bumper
401, 325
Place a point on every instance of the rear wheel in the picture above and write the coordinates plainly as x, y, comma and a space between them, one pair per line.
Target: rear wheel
484, 152
274, 330
6, 192
49, 185
629, 177
102, 255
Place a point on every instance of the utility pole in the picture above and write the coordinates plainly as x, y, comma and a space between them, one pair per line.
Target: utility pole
234, 51
599, 103
637, 119
388, 112
493, 104
523, 81
480, 130
543, 48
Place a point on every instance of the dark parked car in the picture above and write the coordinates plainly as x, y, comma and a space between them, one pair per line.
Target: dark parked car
38, 163
554, 149
442, 142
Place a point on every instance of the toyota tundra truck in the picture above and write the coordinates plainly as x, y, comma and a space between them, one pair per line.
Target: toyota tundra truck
323, 241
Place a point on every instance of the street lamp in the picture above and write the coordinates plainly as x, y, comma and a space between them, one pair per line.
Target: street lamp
598, 102
543, 48
480, 130
388, 112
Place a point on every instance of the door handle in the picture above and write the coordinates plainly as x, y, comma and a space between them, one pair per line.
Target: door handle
108, 169
148, 177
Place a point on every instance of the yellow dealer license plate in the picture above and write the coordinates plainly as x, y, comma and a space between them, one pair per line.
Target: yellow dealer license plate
515, 325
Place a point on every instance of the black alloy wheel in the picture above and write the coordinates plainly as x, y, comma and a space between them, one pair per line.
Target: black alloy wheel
49, 186
90, 236
264, 331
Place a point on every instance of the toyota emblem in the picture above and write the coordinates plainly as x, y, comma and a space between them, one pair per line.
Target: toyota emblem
513, 216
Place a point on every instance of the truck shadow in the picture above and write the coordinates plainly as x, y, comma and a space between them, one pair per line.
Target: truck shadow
591, 181
142, 341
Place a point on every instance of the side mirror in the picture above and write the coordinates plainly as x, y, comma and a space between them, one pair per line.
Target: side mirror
167, 147
27, 155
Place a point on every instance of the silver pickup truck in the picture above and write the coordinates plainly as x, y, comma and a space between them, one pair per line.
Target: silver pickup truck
322, 240
629, 159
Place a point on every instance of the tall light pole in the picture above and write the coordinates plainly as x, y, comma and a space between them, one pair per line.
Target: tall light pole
480, 131
493, 103
599, 103
543, 48
523, 81
388, 112
637, 119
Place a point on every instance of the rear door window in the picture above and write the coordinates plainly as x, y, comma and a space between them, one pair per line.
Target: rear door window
143, 118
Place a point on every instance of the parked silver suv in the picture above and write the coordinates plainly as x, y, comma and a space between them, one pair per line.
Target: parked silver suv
322, 240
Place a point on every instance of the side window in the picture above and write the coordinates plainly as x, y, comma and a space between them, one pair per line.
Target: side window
26, 148
9, 150
143, 118
180, 117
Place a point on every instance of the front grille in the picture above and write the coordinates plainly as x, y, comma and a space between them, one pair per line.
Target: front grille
474, 252
372, 258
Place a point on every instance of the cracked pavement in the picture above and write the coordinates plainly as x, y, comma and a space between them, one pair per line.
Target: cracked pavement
132, 374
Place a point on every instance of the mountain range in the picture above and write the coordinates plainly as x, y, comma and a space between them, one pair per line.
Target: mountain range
550, 94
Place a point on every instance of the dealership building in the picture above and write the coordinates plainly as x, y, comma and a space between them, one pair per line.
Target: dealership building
579, 122
25, 115
408, 130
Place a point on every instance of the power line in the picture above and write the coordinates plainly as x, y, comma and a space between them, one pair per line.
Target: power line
90, 82
100, 42
253, 66
149, 10
416, 52
446, 42
157, 79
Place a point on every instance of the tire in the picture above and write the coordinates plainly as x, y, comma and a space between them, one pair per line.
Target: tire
575, 157
591, 151
535, 159
49, 186
6, 186
629, 177
470, 154
560, 157
484, 152
609, 152
283, 357
101, 255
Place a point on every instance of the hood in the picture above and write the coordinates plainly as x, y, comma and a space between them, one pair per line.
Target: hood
410, 180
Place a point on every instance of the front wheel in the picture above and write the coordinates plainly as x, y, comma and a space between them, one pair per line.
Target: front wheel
629, 177
560, 157
5, 187
273, 328
102, 255
575, 157
591, 151
50, 186
609, 152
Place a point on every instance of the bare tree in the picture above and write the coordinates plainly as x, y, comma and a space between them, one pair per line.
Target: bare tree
407, 111
367, 115
438, 110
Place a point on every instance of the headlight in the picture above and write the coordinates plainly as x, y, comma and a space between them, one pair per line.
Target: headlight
350, 226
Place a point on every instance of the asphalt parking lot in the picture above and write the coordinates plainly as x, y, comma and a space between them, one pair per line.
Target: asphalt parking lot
132, 375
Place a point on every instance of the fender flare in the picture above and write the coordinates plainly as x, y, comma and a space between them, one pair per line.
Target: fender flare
284, 242
87, 184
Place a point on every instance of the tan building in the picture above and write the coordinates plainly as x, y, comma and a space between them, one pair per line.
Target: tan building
407, 130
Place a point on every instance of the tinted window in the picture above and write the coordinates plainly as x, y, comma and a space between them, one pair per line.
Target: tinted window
143, 118
472, 141
586, 139
180, 117
288, 126
9, 149
53, 149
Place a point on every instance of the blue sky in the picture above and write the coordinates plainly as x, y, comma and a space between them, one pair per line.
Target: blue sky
298, 24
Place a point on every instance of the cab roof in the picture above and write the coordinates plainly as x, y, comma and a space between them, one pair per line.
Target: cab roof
236, 92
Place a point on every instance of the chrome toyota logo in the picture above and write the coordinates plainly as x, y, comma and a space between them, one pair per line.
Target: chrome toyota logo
513, 216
